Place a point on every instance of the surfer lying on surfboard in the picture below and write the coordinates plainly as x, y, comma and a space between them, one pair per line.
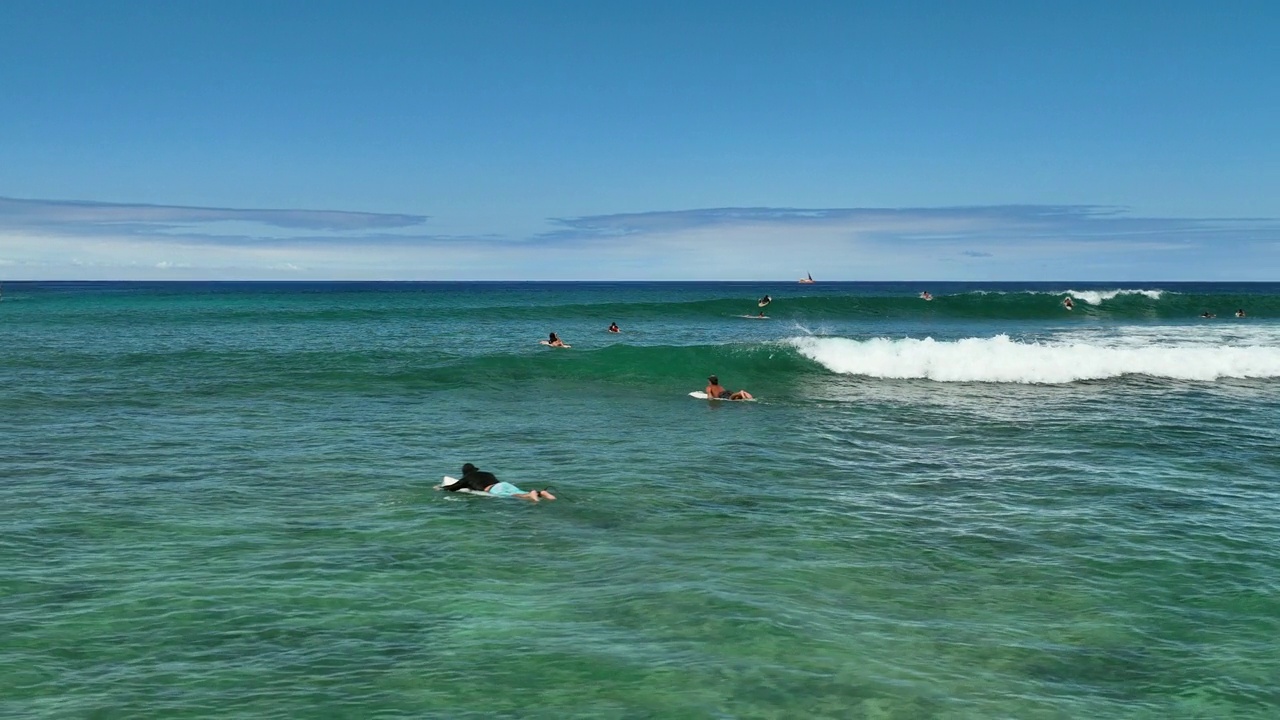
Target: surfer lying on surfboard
477, 480
715, 391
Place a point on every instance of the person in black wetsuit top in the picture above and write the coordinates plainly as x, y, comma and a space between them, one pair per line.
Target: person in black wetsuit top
477, 480
473, 479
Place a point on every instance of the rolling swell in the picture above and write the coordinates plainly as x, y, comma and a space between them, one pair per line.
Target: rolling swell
851, 302
662, 366
1119, 304
185, 374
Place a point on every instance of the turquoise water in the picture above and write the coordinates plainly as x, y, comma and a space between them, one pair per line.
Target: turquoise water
217, 501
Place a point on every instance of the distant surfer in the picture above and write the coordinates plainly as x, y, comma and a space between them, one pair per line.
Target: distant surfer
1207, 315
1240, 312
926, 296
555, 341
1067, 303
716, 392
477, 480
764, 301
613, 328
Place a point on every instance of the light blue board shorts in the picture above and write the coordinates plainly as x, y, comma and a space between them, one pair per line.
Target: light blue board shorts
505, 489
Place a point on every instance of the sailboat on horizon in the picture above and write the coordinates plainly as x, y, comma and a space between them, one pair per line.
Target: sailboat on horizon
807, 279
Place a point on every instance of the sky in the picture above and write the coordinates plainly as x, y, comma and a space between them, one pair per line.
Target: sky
659, 140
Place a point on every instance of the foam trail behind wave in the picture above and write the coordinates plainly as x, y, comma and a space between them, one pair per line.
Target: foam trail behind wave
999, 359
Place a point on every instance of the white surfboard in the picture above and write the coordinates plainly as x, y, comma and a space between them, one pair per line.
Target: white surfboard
703, 396
451, 480
544, 342
755, 317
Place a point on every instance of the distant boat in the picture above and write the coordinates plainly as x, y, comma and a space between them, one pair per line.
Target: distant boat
807, 279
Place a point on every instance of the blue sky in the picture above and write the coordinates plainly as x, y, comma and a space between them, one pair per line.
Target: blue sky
646, 140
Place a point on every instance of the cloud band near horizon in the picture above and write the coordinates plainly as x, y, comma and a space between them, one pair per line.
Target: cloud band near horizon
58, 239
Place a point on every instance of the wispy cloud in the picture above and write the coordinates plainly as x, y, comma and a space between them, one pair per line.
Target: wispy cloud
49, 238
91, 217
923, 224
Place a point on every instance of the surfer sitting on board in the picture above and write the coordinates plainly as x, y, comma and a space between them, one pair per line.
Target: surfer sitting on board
480, 481
613, 327
554, 341
715, 391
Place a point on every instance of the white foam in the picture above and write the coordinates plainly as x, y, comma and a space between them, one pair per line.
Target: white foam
1226, 333
1095, 297
999, 359
1092, 297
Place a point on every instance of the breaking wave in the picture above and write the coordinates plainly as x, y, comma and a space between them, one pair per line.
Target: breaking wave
1002, 360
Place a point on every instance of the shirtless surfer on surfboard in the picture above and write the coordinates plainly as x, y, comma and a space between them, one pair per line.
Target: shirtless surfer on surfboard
716, 392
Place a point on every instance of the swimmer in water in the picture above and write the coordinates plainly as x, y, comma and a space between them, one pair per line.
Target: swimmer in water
613, 327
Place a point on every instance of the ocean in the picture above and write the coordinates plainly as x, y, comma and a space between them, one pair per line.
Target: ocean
216, 500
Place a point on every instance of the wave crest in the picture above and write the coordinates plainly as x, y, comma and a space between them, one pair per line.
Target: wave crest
1002, 360
1096, 297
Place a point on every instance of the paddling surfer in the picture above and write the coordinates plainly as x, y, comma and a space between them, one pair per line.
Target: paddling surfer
477, 480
